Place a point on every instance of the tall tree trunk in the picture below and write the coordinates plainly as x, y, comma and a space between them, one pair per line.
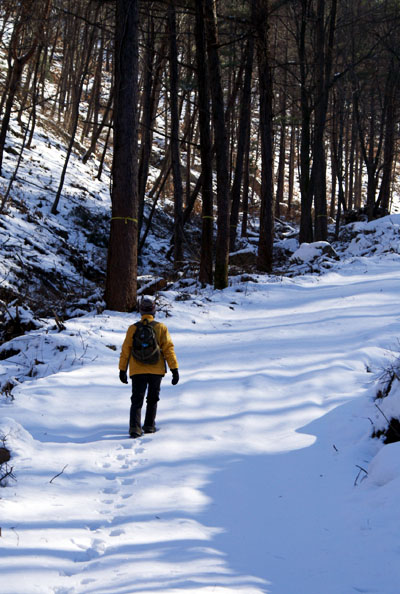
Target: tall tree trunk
337, 158
306, 226
371, 162
388, 155
280, 184
358, 180
121, 284
175, 157
95, 95
370, 147
318, 172
291, 166
246, 183
265, 246
221, 148
189, 127
17, 69
149, 114
206, 254
282, 142
333, 161
244, 124
324, 66
352, 159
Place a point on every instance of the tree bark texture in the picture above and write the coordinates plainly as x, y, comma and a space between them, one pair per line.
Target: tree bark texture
175, 155
154, 62
244, 125
221, 148
389, 142
265, 245
206, 254
306, 227
121, 284
324, 66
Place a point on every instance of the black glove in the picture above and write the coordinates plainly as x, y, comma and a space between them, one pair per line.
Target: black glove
175, 377
123, 376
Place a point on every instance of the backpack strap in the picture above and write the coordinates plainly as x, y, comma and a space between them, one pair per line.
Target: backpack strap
146, 322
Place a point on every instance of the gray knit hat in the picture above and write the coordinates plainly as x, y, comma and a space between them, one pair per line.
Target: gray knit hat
147, 305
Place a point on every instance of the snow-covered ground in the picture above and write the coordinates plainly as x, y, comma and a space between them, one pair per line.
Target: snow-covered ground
262, 478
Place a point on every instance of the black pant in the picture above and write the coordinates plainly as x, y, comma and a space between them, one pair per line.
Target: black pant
141, 383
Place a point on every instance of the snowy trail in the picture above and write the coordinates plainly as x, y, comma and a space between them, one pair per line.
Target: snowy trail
247, 488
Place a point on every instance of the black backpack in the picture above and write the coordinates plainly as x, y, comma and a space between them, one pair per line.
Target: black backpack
145, 347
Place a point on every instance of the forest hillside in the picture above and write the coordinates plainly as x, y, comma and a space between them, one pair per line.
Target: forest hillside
274, 468
236, 119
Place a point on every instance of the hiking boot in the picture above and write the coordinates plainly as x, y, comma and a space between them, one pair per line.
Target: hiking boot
135, 433
149, 429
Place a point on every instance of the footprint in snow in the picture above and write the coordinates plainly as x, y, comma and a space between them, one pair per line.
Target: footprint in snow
117, 532
111, 490
129, 481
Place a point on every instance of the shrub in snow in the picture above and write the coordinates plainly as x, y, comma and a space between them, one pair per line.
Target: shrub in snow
361, 214
387, 418
94, 224
5, 469
16, 320
4, 455
20, 314
6, 389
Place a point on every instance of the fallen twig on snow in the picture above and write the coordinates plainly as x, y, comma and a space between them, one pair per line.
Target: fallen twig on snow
8, 474
59, 474
360, 471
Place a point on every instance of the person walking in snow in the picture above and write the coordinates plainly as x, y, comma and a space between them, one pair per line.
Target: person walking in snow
146, 350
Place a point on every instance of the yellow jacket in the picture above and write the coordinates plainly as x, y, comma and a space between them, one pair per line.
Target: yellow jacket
166, 346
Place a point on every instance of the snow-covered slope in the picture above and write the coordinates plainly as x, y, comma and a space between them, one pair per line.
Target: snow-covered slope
52, 262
